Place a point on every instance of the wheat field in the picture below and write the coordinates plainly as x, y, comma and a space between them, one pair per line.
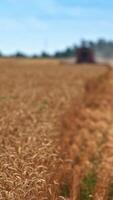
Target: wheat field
56, 130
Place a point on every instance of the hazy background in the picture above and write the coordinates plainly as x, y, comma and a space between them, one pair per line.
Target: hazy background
33, 26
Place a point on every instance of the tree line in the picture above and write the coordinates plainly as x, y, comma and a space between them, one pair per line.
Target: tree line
102, 48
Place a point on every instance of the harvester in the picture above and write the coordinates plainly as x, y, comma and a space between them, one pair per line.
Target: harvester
85, 55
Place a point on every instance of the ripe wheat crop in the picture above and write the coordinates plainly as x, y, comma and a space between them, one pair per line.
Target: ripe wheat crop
54, 130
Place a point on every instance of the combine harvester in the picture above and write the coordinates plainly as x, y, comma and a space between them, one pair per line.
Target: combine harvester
85, 55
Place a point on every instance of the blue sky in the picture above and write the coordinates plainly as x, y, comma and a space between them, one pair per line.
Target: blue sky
31, 26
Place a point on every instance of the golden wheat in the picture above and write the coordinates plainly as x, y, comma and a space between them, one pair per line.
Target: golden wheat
39, 151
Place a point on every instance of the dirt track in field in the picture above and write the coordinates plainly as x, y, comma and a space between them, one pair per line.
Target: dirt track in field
56, 131
88, 143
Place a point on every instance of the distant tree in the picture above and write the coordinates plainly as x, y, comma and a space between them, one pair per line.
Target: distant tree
57, 55
45, 55
91, 44
102, 48
69, 52
20, 55
101, 43
35, 56
1, 54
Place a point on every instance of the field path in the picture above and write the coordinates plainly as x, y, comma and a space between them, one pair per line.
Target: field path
87, 137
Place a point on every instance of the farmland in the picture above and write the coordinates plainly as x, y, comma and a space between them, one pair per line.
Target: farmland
56, 130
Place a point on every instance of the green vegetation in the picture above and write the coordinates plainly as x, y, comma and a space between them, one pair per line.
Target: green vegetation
64, 190
110, 193
88, 186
